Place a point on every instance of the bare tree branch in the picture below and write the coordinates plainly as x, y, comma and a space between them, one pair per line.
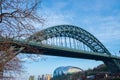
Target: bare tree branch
17, 19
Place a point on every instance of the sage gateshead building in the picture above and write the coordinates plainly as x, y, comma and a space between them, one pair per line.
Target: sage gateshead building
66, 70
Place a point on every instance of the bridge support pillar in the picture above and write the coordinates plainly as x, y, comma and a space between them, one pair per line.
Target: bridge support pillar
113, 65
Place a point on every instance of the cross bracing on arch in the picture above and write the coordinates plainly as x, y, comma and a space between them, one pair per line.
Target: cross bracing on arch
73, 32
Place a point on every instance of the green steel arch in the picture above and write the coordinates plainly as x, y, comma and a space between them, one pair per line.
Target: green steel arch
79, 34
72, 32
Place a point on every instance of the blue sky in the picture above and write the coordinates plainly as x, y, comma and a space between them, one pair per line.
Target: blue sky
99, 17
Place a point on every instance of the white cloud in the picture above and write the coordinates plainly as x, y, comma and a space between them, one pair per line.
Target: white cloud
105, 28
57, 19
93, 5
60, 4
53, 17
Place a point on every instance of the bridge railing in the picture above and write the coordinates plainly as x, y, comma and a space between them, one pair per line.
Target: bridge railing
39, 44
72, 50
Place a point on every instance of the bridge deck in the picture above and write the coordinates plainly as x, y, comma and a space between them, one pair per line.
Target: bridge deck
69, 52
44, 49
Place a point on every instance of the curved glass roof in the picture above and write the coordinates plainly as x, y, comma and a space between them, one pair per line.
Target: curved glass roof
66, 70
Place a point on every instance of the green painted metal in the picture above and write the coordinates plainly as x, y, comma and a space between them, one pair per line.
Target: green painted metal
79, 51
72, 32
72, 35
79, 34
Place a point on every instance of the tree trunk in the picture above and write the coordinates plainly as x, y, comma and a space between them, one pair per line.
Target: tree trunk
1, 71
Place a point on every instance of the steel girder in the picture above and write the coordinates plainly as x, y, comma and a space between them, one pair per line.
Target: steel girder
72, 32
79, 34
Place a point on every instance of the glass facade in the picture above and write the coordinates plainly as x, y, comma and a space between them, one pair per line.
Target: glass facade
66, 70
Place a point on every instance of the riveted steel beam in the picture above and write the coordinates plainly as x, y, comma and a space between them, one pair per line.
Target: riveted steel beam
80, 35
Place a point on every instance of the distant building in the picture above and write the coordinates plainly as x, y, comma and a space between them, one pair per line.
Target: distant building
39, 77
66, 70
48, 76
68, 73
44, 77
31, 77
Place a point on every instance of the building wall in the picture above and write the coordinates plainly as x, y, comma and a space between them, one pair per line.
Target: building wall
74, 70
66, 70
45, 77
31, 77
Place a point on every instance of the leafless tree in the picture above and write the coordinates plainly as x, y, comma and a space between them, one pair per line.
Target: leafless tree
13, 68
17, 19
